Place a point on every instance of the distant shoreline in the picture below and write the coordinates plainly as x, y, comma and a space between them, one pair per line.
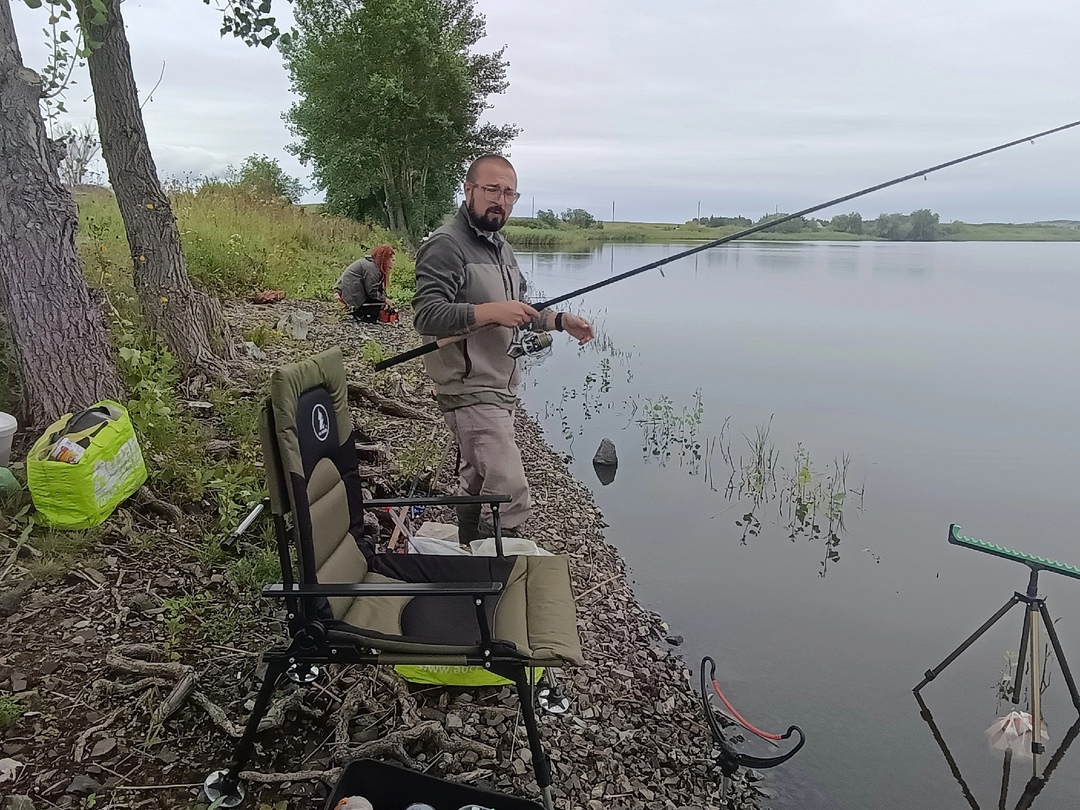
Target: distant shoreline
524, 233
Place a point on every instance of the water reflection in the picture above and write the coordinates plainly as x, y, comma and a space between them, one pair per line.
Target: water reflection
801, 499
1032, 788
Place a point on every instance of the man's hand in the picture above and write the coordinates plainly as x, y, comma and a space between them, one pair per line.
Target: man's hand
578, 327
504, 313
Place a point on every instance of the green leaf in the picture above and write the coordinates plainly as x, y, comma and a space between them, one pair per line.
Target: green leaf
33, 3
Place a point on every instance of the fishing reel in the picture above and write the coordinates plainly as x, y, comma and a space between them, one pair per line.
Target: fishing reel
529, 344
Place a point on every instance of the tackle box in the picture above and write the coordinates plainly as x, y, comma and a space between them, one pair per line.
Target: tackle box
392, 787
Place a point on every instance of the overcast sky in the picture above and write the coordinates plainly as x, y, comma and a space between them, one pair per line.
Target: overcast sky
745, 108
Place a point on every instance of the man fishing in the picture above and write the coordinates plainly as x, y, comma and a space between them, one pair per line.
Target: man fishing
467, 278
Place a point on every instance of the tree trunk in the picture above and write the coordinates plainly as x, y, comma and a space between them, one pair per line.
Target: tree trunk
190, 321
56, 327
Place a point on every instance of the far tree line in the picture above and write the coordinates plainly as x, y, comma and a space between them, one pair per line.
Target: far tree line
918, 226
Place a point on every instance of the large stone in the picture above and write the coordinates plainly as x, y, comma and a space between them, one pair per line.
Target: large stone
605, 454
296, 324
18, 803
605, 462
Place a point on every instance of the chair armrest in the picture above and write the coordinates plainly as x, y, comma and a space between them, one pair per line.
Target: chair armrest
386, 589
448, 500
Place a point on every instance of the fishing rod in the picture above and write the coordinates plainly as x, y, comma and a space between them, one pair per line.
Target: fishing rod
761, 226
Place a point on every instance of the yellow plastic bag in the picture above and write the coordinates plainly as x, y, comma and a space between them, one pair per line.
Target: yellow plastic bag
83, 494
458, 676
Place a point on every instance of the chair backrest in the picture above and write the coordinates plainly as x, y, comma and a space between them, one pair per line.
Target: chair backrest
311, 469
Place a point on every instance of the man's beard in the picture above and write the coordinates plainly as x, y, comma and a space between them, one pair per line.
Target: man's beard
491, 220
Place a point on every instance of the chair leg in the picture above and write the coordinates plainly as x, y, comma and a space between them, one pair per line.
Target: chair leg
227, 783
532, 730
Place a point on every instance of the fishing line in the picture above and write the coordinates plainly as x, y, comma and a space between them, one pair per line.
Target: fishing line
761, 226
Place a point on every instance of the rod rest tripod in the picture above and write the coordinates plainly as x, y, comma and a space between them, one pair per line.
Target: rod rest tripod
1035, 613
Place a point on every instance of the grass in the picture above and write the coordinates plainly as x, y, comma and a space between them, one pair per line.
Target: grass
10, 712
235, 245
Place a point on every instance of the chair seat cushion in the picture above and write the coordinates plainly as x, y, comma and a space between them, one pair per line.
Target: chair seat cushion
533, 615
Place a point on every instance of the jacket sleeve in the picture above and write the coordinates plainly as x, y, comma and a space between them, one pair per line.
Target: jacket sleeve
440, 276
373, 283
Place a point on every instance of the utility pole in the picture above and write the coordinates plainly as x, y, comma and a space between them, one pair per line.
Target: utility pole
533, 214
612, 210
699, 209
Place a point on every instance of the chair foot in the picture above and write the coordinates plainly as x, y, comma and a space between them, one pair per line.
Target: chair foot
303, 673
552, 700
222, 789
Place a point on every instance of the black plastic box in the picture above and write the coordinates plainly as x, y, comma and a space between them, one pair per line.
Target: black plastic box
392, 787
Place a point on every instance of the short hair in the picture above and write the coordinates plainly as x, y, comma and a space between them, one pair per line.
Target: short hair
470, 175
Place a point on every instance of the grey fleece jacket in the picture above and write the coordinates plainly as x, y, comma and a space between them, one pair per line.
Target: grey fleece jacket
361, 283
458, 267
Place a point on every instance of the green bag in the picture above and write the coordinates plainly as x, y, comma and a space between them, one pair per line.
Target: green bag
111, 468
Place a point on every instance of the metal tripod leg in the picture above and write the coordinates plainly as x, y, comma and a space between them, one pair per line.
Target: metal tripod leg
933, 673
224, 786
1065, 671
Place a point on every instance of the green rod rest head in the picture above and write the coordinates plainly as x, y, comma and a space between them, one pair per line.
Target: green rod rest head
1032, 562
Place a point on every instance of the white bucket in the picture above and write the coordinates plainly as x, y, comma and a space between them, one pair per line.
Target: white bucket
8, 425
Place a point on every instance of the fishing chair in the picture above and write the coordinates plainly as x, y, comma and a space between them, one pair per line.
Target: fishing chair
352, 605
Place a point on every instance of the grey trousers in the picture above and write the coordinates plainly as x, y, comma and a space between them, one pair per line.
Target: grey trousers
490, 465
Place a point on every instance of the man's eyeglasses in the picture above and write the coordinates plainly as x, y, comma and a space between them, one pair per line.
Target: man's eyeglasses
495, 193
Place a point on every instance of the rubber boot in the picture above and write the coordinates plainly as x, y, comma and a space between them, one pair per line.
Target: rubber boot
468, 518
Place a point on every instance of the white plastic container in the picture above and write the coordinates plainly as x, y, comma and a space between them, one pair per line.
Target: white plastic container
8, 425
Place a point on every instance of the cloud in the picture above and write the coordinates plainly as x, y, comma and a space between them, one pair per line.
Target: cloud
745, 107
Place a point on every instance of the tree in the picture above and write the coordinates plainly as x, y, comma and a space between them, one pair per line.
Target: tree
264, 179
547, 218
578, 218
390, 103
924, 225
847, 223
791, 226
190, 321
56, 327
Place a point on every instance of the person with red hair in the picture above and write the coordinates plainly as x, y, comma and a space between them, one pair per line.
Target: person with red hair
362, 286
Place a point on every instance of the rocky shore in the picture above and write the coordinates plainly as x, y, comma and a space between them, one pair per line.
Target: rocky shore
133, 709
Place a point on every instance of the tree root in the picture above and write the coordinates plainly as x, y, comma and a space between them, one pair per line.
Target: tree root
274, 717
393, 743
146, 497
429, 731
330, 775
84, 737
138, 659
359, 393
103, 686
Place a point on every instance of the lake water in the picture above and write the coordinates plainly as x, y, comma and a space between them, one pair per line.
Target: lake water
908, 386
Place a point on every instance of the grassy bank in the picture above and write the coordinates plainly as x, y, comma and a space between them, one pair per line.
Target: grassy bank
235, 245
